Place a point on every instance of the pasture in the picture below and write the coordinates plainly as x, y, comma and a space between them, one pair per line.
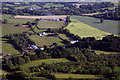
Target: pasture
15, 21
110, 26
41, 41
7, 48
83, 30
76, 76
11, 29
48, 5
39, 62
105, 52
63, 36
50, 24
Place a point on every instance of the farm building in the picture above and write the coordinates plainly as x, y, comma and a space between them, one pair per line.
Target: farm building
34, 47
25, 26
42, 34
73, 42
41, 48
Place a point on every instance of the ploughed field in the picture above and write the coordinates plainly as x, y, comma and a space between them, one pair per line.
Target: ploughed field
110, 26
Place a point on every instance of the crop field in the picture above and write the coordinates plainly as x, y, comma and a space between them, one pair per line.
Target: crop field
41, 41
110, 26
42, 17
50, 24
83, 30
76, 76
39, 62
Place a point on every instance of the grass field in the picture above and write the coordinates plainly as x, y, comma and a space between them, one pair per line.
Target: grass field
83, 30
110, 26
76, 76
53, 5
63, 36
9, 5
41, 41
8, 48
15, 21
33, 6
105, 52
39, 62
50, 24
11, 29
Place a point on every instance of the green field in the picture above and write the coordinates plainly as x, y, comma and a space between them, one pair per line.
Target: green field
83, 30
76, 76
63, 36
9, 5
39, 62
15, 21
50, 24
33, 6
105, 52
53, 5
110, 26
41, 41
7, 48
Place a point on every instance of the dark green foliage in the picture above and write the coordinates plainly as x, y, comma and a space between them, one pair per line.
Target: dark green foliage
27, 59
21, 61
9, 65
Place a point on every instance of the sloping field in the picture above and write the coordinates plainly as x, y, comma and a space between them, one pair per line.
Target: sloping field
76, 76
42, 17
39, 62
83, 30
108, 25
41, 41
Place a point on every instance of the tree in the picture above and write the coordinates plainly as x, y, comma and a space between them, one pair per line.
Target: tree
5, 21
68, 19
101, 20
21, 61
27, 59
9, 64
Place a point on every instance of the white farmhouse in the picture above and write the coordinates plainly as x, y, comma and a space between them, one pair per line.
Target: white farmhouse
73, 42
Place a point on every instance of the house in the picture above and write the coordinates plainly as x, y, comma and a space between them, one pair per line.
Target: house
25, 26
41, 48
73, 42
34, 47
42, 34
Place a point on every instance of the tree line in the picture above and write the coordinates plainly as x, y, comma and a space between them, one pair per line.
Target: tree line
70, 10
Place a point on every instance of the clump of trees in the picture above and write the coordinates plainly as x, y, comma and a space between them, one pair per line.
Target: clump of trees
113, 15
